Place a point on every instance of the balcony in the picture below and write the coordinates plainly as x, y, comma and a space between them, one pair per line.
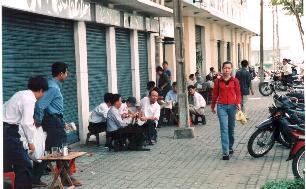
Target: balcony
153, 8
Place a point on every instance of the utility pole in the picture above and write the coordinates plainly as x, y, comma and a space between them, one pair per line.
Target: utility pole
184, 131
261, 43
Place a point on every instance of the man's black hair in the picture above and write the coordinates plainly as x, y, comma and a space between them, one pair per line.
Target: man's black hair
150, 84
107, 97
58, 67
37, 83
191, 87
165, 62
211, 69
174, 83
154, 89
115, 98
158, 68
191, 76
244, 63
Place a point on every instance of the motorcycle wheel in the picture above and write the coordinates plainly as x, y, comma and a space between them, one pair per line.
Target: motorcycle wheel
265, 89
298, 164
261, 142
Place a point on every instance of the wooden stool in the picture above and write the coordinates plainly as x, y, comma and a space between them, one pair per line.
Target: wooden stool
97, 138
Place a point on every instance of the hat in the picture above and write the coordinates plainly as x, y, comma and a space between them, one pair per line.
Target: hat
131, 100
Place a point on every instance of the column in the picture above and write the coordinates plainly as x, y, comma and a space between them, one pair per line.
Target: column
190, 45
82, 78
135, 64
151, 57
111, 59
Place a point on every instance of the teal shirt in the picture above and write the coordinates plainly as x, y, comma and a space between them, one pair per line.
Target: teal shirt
52, 102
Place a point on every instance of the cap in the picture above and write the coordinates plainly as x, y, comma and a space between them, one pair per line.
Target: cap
131, 100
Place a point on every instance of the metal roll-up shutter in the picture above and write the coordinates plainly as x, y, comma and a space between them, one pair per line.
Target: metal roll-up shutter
143, 61
97, 63
123, 59
198, 34
31, 44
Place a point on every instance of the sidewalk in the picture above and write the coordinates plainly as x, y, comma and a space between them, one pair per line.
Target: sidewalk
188, 163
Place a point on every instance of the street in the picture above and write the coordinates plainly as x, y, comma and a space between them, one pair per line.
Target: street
187, 163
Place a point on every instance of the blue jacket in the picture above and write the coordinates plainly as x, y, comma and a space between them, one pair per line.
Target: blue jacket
245, 78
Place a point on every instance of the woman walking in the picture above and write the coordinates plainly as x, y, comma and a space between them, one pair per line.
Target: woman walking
226, 94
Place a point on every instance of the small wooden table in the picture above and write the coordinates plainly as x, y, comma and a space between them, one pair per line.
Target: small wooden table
63, 166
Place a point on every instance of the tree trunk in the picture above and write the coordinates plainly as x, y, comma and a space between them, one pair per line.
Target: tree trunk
299, 24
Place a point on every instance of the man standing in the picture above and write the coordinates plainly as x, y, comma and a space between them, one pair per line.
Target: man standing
166, 70
49, 112
151, 112
19, 110
245, 81
163, 82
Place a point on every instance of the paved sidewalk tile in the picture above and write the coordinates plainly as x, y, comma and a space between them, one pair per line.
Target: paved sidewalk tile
187, 163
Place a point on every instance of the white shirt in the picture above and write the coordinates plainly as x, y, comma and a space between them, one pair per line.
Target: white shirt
287, 69
19, 110
149, 109
191, 82
199, 101
99, 114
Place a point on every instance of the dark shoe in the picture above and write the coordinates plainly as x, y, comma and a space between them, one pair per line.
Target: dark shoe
225, 157
142, 149
39, 184
231, 152
151, 143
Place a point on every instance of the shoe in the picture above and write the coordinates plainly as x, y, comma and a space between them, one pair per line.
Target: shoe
39, 184
151, 143
231, 152
76, 182
225, 157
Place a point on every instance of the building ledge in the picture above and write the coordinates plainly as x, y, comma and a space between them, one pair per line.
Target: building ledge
145, 7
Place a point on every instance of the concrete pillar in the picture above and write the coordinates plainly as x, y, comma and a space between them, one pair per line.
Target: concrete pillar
170, 58
151, 57
111, 59
190, 45
82, 78
135, 64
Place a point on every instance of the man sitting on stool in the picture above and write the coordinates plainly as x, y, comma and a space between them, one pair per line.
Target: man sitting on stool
196, 104
97, 119
151, 112
120, 130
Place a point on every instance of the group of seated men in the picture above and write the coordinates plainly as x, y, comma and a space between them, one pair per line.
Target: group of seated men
128, 126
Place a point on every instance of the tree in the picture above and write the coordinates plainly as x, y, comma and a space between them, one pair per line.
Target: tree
293, 7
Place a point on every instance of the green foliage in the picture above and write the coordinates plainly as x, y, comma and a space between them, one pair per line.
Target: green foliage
285, 184
293, 7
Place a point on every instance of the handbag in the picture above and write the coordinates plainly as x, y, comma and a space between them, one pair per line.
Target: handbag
241, 117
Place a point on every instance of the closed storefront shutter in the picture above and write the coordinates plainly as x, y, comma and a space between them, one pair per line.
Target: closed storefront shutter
97, 63
123, 59
31, 44
143, 61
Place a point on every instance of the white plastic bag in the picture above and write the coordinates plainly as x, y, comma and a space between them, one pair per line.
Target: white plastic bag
39, 143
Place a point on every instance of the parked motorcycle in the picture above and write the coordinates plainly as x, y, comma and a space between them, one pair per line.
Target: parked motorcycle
276, 84
268, 132
296, 133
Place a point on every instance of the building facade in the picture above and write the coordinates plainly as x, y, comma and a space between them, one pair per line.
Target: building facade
215, 31
109, 46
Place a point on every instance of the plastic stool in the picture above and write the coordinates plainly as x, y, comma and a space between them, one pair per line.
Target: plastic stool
10, 176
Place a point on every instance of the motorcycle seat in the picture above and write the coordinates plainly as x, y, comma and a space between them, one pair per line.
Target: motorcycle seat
297, 127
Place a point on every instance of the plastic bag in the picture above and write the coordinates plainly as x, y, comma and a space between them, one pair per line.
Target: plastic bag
241, 117
39, 143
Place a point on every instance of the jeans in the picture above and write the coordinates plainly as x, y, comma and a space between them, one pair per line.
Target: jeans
227, 119
244, 101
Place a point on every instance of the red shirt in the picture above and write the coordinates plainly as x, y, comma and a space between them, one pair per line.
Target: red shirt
226, 94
